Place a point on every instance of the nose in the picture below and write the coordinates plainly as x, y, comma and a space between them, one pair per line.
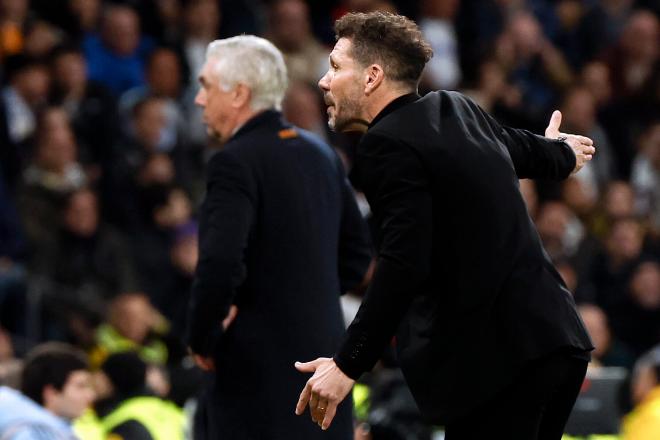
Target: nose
324, 84
200, 98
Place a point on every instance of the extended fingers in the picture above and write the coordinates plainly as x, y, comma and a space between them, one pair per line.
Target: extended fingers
330, 412
304, 399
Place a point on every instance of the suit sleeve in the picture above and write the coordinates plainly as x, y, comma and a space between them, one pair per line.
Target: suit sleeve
397, 188
228, 212
533, 156
354, 241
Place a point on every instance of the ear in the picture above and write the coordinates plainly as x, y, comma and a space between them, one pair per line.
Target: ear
242, 96
374, 76
48, 396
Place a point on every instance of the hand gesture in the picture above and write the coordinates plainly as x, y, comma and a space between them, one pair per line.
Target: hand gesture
582, 146
324, 391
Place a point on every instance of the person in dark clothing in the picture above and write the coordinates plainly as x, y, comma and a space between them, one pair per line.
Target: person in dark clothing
280, 238
130, 410
487, 330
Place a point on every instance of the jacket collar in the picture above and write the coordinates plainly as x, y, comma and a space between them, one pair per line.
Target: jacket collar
396, 104
264, 117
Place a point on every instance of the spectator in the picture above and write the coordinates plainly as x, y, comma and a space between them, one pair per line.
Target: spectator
437, 24
116, 57
25, 93
41, 38
164, 81
290, 30
613, 266
56, 389
643, 423
129, 409
52, 175
131, 326
645, 176
636, 318
90, 107
535, 66
201, 24
579, 116
13, 14
561, 232
85, 266
609, 351
302, 107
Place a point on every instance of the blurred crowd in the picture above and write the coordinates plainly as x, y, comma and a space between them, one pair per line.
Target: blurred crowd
102, 155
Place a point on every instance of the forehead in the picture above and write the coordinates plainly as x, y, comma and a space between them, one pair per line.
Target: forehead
342, 50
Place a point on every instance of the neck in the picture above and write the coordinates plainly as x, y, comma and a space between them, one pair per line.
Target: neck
379, 102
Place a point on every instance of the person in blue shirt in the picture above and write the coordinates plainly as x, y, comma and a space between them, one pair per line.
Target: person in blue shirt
55, 389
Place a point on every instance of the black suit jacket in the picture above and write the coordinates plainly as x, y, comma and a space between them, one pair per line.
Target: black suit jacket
461, 270
281, 237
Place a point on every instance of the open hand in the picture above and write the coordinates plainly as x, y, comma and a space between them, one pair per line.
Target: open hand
324, 391
582, 146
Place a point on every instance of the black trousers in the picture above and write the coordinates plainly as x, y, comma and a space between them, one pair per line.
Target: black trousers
535, 406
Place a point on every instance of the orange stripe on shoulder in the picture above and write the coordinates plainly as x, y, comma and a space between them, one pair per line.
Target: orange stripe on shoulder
287, 133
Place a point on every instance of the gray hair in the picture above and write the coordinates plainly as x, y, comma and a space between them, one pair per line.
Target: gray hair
252, 61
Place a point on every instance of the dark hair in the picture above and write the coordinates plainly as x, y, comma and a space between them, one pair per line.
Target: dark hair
50, 364
127, 372
394, 41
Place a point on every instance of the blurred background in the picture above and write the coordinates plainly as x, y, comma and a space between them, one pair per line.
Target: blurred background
102, 155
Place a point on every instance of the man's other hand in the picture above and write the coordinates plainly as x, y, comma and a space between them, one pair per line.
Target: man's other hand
324, 391
206, 363
582, 146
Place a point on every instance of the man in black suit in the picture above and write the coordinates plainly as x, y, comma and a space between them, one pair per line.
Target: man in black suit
488, 336
281, 237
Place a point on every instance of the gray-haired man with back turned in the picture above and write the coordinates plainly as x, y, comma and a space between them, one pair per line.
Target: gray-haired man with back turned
280, 238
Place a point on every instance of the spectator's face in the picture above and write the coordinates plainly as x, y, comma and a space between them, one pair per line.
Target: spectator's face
41, 40
121, 31
81, 216
301, 107
158, 169
619, 200
87, 12
625, 240
76, 396
150, 121
526, 34
184, 254
645, 286
176, 212
14, 10
164, 73
596, 322
33, 85
553, 221
220, 105
57, 147
70, 71
579, 195
133, 317
579, 111
596, 78
640, 37
342, 89
290, 24
203, 18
